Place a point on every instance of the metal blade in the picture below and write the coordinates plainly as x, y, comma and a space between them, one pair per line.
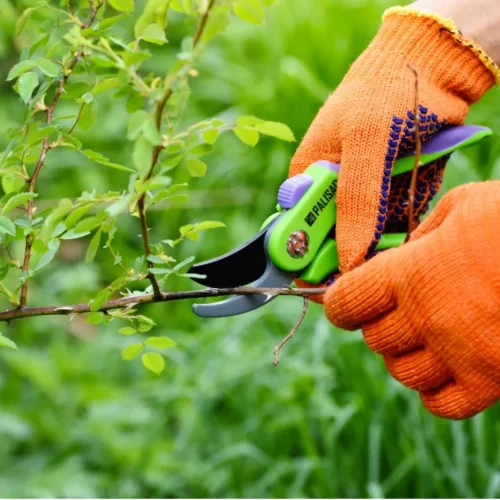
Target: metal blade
272, 278
239, 267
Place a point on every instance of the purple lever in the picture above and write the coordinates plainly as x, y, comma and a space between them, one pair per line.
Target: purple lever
292, 190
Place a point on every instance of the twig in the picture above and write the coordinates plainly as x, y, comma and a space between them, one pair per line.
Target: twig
418, 154
203, 23
277, 349
80, 111
42, 157
160, 109
149, 298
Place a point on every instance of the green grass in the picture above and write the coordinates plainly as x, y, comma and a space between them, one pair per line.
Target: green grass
77, 421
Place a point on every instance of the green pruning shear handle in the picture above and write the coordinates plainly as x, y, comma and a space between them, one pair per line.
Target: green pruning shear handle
294, 242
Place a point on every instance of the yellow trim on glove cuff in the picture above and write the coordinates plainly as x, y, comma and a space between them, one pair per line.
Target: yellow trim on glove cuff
450, 26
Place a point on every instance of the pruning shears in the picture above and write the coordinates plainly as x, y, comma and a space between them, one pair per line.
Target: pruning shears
294, 242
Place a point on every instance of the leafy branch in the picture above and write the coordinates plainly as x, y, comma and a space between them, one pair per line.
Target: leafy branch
160, 109
43, 153
149, 298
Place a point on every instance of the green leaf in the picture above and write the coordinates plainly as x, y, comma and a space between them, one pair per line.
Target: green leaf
75, 216
74, 235
131, 351
136, 123
156, 259
7, 226
5, 342
154, 33
196, 167
48, 67
154, 362
250, 10
201, 149
99, 300
276, 129
95, 318
160, 342
141, 155
21, 68
93, 248
248, 121
106, 84
75, 90
247, 135
209, 224
27, 84
122, 5
210, 136
48, 256
89, 113
127, 330
17, 200
110, 21
102, 160
184, 263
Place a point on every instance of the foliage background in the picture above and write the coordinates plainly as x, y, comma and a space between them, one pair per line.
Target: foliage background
77, 421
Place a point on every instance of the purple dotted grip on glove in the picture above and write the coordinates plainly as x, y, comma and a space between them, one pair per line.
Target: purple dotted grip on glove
292, 190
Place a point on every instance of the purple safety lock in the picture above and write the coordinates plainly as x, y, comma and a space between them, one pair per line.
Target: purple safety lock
292, 190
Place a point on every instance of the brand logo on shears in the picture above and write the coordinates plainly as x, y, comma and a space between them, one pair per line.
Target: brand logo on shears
322, 203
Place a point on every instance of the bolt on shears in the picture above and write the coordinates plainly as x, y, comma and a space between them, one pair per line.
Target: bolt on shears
294, 242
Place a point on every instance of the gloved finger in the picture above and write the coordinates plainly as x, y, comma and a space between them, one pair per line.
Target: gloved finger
418, 369
319, 143
392, 333
365, 293
368, 155
440, 213
453, 401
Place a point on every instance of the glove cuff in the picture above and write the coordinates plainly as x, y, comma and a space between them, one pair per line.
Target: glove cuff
449, 25
437, 50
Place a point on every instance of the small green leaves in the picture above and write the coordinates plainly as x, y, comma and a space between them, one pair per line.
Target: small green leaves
250, 10
20, 68
127, 330
276, 129
131, 351
102, 160
7, 226
5, 342
122, 5
247, 135
48, 67
196, 167
99, 300
154, 362
153, 33
93, 248
26, 85
105, 84
160, 342
210, 135
17, 200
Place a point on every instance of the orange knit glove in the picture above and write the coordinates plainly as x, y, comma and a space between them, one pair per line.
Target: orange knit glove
369, 120
432, 307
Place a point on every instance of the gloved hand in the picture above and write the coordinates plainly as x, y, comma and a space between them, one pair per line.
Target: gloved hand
369, 120
432, 307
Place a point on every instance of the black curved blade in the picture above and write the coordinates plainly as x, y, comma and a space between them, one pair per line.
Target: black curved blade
272, 278
238, 267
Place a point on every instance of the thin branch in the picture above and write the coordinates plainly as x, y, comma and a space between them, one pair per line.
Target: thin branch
203, 23
80, 111
41, 159
160, 109
416, 166
149, 298
278, 348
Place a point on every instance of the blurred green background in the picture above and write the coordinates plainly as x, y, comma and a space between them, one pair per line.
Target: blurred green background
77, 421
